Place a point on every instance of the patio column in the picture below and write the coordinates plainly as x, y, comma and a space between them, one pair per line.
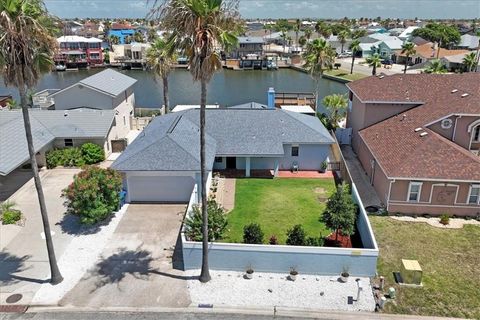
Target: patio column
247, 167
275, 169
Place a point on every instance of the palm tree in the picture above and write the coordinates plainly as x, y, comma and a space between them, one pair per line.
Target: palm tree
161, 59
319, 56
308, 34
284, 37
151, 35
197, 27
296, 28
138, 37
323, 29
436, 66
342, 37
469, 61
355, 47
478, 51
356, 34
336, 105
113, 39
408, 49
26, 50
374, 61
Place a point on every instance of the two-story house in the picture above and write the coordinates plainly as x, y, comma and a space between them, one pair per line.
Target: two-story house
417, 137
248, 46
78, 52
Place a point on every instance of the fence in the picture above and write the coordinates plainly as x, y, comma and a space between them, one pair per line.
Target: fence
338, 157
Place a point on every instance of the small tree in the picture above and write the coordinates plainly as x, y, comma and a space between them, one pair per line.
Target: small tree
217, 222
336, 105
92, 153
253, 234
340, 212
296, 236
93, 194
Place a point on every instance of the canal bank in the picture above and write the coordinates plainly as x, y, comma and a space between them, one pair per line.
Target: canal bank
227, 87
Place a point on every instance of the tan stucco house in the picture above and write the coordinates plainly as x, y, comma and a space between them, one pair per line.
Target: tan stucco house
417, 137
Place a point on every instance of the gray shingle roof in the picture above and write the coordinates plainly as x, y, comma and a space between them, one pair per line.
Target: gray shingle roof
171, 142
46, 126
109, 81
250, 105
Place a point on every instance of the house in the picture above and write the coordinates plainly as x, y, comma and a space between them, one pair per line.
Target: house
132, 55
122, 31
77, 51
455, 62
368, 46
417, 137
387, 48
163, 163
427, 52
469, 42
337, 45
406, 35
418, 41
106, 90
248, 46
52, 129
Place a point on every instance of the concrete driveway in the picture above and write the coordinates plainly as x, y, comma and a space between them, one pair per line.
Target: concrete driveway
23, 256
135, 268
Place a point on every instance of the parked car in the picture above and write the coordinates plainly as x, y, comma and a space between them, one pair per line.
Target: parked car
345, 54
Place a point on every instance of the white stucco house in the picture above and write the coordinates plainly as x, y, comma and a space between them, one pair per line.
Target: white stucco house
163, 163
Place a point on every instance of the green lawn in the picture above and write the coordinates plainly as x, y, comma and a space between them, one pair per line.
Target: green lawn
450, 259
277, 205
345, 74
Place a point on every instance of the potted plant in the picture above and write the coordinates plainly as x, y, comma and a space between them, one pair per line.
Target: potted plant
249, 273
324, 166
293, 274
344, 275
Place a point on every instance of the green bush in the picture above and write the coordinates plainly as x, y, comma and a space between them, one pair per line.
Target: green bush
273, 240
72, 157
445, 219
8, 214
94, 194
253, 234
314, 242
296, 236
92, 153
54, 158
217, 222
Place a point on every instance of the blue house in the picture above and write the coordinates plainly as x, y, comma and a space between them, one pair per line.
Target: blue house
121, 31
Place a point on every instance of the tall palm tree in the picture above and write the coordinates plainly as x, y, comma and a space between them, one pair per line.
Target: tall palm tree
355, 47
374, 61
308, 34
469, 61
113, 39
408, 49
138, 37
323, 29
197, 27
342, 37
296, 28
336, 105
436, 66
26, 50
319, 56
284, 37
160, 58
478, 51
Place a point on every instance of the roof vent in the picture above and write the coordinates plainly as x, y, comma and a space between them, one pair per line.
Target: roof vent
418, 129
423, 134
464, 95
381, 77
65, 114
403, 117
454, 90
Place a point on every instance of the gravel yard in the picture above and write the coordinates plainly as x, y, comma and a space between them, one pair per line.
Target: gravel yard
228, 288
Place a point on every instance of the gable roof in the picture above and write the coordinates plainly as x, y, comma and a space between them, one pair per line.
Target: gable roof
428, 51
171, 142
469, 41
109, 81
399, 149
47, 125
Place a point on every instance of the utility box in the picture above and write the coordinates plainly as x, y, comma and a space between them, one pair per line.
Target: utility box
411, 272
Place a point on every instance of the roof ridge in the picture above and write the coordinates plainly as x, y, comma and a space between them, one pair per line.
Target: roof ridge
454, 145
291, 115
120, 160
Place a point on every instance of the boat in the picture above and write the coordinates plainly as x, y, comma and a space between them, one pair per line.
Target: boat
272, 65
60, 67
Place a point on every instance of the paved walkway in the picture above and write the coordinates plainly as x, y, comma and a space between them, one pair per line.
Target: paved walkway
360, 178
226, 193
305, 174
454, 223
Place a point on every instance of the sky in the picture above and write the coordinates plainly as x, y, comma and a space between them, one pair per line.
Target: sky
426, 9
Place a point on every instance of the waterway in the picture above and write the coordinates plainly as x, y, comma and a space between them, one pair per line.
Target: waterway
227, 87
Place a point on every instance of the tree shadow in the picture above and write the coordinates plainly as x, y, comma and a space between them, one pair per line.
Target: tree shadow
10, 265
137, 263
70, 224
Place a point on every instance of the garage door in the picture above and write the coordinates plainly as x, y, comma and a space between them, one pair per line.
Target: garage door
160, 189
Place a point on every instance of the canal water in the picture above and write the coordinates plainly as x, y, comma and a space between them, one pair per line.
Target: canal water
227, 87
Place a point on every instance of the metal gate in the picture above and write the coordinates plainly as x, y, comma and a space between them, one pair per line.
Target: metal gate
119, 145
344, 135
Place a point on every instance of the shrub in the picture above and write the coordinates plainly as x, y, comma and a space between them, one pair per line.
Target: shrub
296, 236
314, 242
273, 240
445, 219
340, 212
217, 222
72, 157
94, 194
253, 234
92, 153
54, 158
8, 214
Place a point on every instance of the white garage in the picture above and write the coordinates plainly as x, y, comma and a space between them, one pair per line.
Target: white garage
159, 189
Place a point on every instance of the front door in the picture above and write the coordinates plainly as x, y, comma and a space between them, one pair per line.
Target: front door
231, 163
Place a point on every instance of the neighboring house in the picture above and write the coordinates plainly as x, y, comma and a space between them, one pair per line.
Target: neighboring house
427, 52
368, 46
406, 35
76, 51
71, 27
337, 45
469, 42
106, 90
248, 46
418, 41
387, 48
163, 163
418, 139
51, 129
455, 62
122, 31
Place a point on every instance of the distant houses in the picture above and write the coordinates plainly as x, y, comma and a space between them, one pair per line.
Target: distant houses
122, 31
78, 52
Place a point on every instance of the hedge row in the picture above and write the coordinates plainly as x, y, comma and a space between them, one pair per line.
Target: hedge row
88, 153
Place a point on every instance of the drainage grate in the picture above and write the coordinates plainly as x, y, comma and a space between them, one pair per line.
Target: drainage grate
14, 298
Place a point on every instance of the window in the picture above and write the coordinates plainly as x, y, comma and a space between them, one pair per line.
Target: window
68, 142
474, 194
446, 123
294, 151
476, 134
218, 159
414, 191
